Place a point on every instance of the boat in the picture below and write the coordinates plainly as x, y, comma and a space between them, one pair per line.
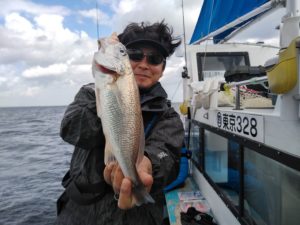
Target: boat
242, 114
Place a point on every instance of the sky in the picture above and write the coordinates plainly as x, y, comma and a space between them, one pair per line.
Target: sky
46, 46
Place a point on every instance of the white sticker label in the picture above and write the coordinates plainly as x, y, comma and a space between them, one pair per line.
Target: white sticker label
213, 73
247, 125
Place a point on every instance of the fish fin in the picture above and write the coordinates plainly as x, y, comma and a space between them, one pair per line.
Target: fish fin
142, 144
108, 154
114, 36
141, 196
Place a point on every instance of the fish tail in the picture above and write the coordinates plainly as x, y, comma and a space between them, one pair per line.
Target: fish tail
141, 195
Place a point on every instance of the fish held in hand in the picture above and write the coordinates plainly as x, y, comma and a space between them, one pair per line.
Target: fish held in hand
118, 106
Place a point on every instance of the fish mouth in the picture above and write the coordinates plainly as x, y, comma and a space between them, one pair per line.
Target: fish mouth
105, 70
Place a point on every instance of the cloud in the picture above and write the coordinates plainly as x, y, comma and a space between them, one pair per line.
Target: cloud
96, 15
32, 91
43, 41
38, 52
2, 80
171, 79
126, 6
136, 11
8, 78
25, 6
52, 70
263, 29
17, 23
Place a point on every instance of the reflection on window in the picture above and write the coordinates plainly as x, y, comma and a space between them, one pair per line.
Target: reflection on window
194, 143
231, 188
215, 148
272, 191
221, 164
214, 65
216, 159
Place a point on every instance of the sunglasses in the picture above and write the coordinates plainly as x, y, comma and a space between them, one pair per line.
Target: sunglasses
153, 58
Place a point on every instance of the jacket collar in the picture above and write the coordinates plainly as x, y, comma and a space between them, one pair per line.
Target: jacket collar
154, 99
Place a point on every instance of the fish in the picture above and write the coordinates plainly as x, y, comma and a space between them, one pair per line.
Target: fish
118, 107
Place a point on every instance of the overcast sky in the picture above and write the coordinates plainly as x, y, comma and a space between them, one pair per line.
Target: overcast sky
46, 46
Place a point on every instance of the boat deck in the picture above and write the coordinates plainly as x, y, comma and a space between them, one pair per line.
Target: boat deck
173, 201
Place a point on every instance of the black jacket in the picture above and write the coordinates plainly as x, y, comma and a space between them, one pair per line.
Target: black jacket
82, 128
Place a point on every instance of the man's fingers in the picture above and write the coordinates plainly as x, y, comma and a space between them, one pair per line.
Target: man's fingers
113, 175
117, 179
145, 173
125, 197
107, 173
147, 180
145, 166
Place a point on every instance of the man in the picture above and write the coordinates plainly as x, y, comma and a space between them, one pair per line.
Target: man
99, 194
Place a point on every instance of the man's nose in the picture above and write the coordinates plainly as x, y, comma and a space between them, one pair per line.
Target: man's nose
144, 63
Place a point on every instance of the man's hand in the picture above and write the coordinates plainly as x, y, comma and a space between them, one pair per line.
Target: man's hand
123, 186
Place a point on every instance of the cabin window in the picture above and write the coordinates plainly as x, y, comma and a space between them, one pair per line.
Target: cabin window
255, 186
222, 164
194, 143
216, 157
271, 190
215, 64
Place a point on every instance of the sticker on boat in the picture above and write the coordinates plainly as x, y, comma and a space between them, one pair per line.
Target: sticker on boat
246, 125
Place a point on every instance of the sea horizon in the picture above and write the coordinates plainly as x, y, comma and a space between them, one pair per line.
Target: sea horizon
31, 106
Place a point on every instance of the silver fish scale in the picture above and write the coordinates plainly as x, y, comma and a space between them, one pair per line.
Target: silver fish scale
131, 133
110, 115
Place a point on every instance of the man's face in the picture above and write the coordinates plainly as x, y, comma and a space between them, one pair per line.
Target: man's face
146, 74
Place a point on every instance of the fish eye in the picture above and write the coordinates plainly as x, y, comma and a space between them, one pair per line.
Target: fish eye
123, 52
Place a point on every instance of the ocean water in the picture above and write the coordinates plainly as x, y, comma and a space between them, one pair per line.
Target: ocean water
33, 160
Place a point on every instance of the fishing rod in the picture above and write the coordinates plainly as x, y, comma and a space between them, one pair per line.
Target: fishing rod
97, 23
184, 73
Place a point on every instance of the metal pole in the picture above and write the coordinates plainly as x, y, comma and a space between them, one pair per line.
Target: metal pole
237, 98
183, 26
